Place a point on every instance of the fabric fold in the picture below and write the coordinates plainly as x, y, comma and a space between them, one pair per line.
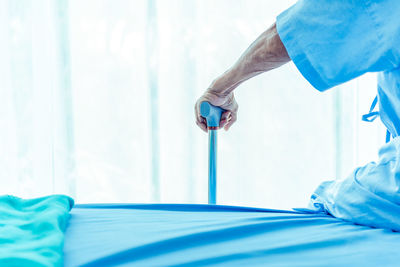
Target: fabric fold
369, 196
32, 230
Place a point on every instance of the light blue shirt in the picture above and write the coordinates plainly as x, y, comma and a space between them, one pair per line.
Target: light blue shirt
332, 42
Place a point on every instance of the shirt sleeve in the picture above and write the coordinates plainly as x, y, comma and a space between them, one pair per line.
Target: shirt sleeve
332, 42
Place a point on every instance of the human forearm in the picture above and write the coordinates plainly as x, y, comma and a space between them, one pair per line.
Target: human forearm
266, 53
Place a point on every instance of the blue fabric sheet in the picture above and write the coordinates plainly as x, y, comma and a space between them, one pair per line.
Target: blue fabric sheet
370, 195
203, 235
332, 42
32, 230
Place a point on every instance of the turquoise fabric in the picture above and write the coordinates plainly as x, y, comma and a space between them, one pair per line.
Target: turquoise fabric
32, 230
332, 42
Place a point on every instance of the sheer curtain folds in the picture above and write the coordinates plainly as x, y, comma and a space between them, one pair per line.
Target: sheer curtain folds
97, 102
36, 118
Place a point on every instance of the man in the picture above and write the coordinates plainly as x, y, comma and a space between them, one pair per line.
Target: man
332, 42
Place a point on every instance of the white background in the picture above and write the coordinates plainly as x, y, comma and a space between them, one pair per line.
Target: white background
97, 102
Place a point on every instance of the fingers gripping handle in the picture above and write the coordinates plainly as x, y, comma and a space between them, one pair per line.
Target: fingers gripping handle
211, 113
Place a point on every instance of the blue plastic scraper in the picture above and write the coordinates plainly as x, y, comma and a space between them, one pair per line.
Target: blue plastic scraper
213, 116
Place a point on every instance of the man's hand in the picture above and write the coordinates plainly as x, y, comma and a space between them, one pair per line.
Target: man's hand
264, 54
226, 102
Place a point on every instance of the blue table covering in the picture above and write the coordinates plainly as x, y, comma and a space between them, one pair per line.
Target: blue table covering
198, 235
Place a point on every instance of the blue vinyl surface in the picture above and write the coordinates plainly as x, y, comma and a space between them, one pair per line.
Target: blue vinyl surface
198, 235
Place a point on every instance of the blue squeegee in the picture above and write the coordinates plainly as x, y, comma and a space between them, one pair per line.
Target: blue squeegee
213, 115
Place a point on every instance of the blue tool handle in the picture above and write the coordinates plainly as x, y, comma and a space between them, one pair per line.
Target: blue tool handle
213, 116
211, 113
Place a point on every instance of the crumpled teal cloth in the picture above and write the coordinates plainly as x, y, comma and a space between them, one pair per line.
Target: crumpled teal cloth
32, 230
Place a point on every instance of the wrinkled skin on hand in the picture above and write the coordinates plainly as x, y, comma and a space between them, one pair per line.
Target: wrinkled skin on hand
266, 53
226, 102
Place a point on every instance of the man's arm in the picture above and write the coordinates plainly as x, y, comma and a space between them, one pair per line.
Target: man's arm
266, 53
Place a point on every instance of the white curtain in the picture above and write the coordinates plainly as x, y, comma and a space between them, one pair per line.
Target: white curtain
97, 102
36, 139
